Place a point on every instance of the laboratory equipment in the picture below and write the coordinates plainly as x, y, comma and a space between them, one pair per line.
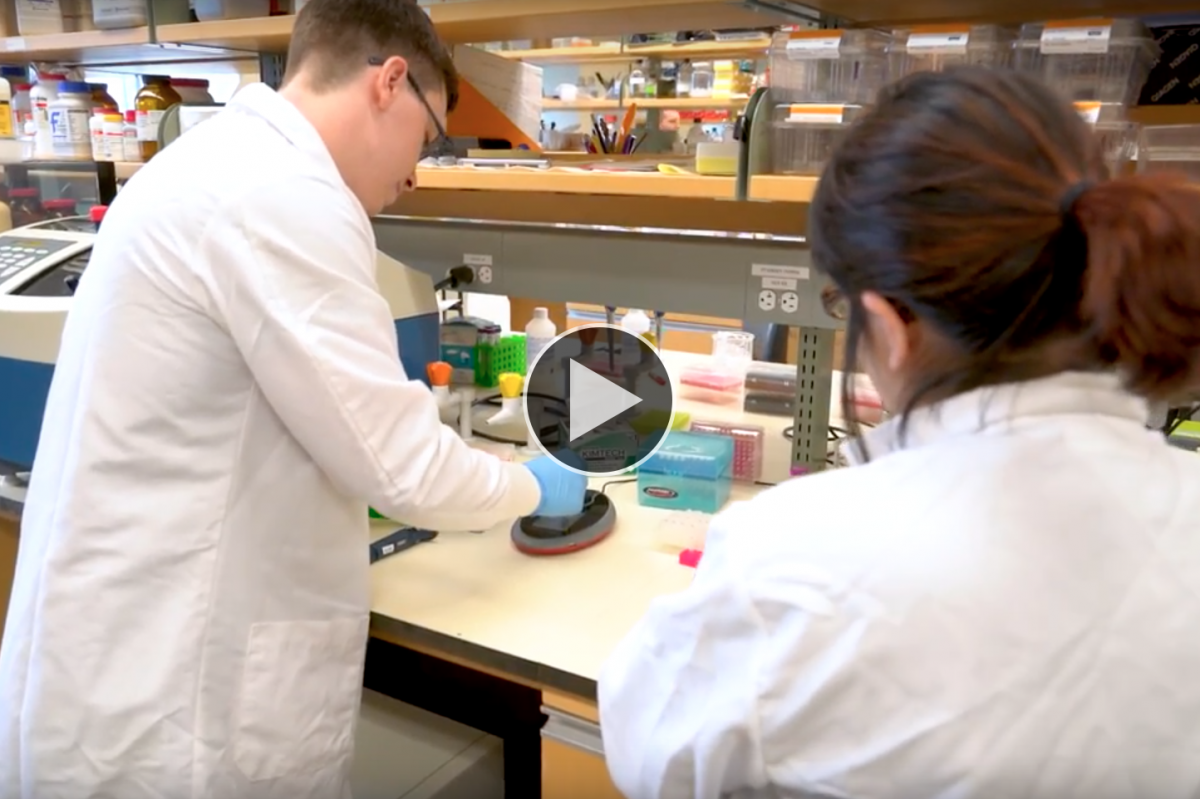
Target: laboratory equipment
933, 48
510, 399
539, 332
1104, 61
1118, 136
749, 444
804, 135
438, 375
711, 385
152, 102
690, 471
464, 343
119, 13
399, 541
1170, 148
560, 535
39, 265
771, 378
733, 350
682, 530
211, 10
828, 66
37, 17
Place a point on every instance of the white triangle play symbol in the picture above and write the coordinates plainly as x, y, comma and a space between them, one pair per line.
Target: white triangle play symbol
595, 400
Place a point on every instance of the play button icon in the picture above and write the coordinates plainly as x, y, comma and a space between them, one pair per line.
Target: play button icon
594, 400
601, 393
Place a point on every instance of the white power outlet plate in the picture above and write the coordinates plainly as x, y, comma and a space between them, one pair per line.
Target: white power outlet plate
484, 273
766, 300
789, 302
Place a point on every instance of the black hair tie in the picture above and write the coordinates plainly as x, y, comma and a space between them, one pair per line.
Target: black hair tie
1071, 197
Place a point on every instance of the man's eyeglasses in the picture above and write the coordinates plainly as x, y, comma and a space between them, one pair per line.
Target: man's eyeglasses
441, 145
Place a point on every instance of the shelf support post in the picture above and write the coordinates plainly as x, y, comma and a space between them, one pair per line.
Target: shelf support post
814, 386
271, 67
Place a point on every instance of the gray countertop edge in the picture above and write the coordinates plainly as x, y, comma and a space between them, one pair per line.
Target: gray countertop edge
502, 662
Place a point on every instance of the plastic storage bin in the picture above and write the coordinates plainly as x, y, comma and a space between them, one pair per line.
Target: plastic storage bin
828, 66
1118, 136
1104, 61
931, 49
208, 10
1170, 148
36, 17
749, 441
804, 135
691, 471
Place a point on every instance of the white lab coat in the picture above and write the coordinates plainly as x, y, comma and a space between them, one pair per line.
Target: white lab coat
190, 611
1005, 605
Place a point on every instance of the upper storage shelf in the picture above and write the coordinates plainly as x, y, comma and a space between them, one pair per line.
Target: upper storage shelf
887, 12
615, 53
97, 48
502, 20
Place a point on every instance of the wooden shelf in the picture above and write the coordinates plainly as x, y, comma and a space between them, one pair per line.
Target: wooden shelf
504, 20
551, 104
881, 12
97, 48
613, 53
679, 103
259, 35
636, 184
559, 180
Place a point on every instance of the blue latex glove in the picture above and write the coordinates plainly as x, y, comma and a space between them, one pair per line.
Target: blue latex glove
562, 489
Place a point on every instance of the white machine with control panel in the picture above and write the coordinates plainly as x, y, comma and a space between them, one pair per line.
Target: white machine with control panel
41, 264
39, 267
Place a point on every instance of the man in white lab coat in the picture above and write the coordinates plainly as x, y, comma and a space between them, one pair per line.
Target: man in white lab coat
190, 610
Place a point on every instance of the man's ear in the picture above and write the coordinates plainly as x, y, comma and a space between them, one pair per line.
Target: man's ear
391, 81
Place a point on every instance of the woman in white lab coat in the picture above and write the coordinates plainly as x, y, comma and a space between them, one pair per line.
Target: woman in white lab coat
1001, 597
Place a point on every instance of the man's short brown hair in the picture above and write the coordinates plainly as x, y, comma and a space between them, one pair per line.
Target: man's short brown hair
334, 40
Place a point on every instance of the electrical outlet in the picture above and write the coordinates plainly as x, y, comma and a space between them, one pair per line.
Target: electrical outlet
766, 300
789, 302
484, 273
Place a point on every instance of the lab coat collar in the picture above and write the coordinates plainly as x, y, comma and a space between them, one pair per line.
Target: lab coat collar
976, 411
260, 100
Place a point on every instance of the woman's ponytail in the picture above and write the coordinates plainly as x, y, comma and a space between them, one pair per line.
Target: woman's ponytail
1141, 288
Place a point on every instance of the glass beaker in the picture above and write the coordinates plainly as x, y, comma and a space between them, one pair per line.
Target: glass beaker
732, 350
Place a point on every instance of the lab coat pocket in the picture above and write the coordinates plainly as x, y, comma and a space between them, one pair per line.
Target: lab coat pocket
299, 698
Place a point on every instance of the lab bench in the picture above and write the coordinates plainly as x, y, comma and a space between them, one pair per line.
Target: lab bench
512, 645
538, 630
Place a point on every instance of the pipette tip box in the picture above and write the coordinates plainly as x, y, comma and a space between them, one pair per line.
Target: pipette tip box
690, 471
748, 444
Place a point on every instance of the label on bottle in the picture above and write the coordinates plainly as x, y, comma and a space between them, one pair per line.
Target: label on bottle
132, 148
70, 127
812, 45
1079, 36
6, 120
533, 348
147, 125
938, 43
114, 145
41, 117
